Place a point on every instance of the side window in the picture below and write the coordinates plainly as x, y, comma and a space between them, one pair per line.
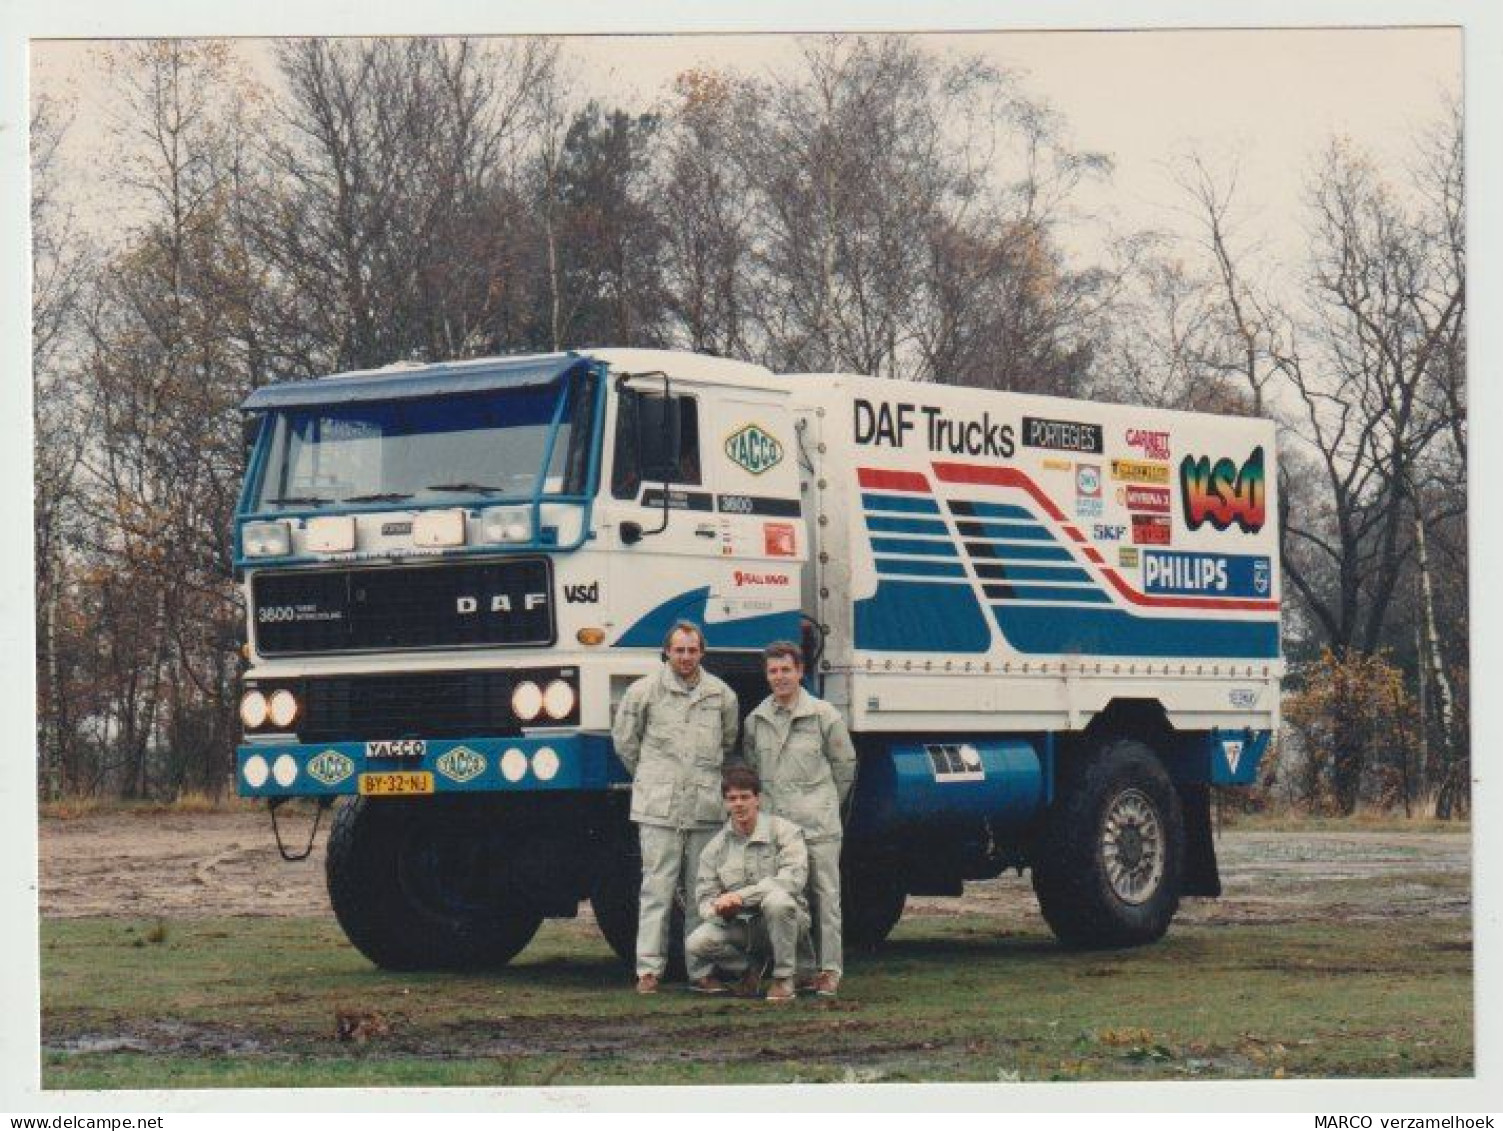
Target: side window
626, 474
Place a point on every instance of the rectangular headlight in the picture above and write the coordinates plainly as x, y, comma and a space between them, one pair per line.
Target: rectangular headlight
506, 524
438, 528
331, 534
266, 539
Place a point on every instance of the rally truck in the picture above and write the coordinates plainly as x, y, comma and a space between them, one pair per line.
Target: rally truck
1052, 627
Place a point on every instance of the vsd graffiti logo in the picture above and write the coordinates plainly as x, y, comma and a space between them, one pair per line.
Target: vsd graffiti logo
1221, 494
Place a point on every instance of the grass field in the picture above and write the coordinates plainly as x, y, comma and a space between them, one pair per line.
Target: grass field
248, 1002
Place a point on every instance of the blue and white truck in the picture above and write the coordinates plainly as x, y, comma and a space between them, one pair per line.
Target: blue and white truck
1052, 626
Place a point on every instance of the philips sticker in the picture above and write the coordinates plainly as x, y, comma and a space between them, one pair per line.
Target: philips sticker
1215, 575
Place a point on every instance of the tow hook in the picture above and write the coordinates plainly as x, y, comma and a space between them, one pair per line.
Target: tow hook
275, 803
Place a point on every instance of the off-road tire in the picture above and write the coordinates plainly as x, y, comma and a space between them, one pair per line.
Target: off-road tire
615, 897
872, 897
393, 892
1109, 865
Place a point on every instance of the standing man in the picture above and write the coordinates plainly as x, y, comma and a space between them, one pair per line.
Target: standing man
673, 732
800, 747
750, 891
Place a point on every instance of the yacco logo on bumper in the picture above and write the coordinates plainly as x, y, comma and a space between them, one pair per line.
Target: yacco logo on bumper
753, 449
1221, 493
330, 767
1153, 445
1137, 471
1062, 435
461, 764
1215, 575
1136, 497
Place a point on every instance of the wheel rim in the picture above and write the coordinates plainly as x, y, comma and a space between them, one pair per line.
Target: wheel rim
1132, 847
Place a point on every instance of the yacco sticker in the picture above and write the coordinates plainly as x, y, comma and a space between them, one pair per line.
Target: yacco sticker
1137, 471
778, 540
1153, 445
1212, 575
1127, 557
1136, 497
1221, 493
1062, 435
1150, 530
330, 767
461, 764
754, 449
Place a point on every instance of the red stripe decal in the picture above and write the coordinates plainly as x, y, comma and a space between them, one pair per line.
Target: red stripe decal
882, 480
1075, 534
1012, 477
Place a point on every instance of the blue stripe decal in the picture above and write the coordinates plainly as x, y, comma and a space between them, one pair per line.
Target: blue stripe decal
996, 571
1031, 531
986, 551
1047, 593
881, 525
991, 510
913, 546
911, 616
900, 567
748, 632
1045, 630
906, 503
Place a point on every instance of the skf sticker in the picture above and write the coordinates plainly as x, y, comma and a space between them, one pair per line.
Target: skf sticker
1108, 531
330, 767
1137, 471
779, 540
1232, 748
1150, 530
1221, 493
753, 449
461, 764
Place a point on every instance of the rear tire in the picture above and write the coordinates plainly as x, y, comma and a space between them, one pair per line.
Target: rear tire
1109, 865
872, 897
415, 885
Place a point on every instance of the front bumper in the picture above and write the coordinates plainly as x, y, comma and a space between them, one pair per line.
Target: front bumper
455, 765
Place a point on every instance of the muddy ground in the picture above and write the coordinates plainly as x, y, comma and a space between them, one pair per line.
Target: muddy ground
191, 865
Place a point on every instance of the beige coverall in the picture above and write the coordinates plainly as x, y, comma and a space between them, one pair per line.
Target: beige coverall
807, 764
768, 868
673, 740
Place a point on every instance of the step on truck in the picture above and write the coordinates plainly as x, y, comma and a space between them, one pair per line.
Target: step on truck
1052, 626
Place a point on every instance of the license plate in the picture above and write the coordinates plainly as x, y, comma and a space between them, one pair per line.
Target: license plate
391, 785
396, 748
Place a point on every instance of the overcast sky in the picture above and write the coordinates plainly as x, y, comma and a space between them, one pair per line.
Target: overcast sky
1269, 98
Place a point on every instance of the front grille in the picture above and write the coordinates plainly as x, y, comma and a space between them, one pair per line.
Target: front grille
363, 708
385, 608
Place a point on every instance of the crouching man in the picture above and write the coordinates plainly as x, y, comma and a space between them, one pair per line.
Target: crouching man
750, 891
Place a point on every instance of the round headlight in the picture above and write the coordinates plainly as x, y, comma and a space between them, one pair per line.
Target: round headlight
558, 699
253, 710
513, 765
545, 763
526, 701
256, 771
284, 769
283, 708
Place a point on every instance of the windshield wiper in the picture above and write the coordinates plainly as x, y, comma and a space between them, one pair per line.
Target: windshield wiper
480, 487
378, 497
300, 499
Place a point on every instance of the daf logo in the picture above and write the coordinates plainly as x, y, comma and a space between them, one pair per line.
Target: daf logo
499, 603
753, 449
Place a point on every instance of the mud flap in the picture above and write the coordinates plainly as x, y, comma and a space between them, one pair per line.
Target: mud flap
1200, 876
275, 803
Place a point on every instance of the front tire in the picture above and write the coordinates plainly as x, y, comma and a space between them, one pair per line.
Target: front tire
1109, 865
416, 884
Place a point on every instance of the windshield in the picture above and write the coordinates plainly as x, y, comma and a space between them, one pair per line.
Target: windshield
488, 446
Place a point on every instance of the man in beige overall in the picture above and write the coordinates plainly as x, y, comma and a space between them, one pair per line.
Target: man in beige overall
673, 731
800, 747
